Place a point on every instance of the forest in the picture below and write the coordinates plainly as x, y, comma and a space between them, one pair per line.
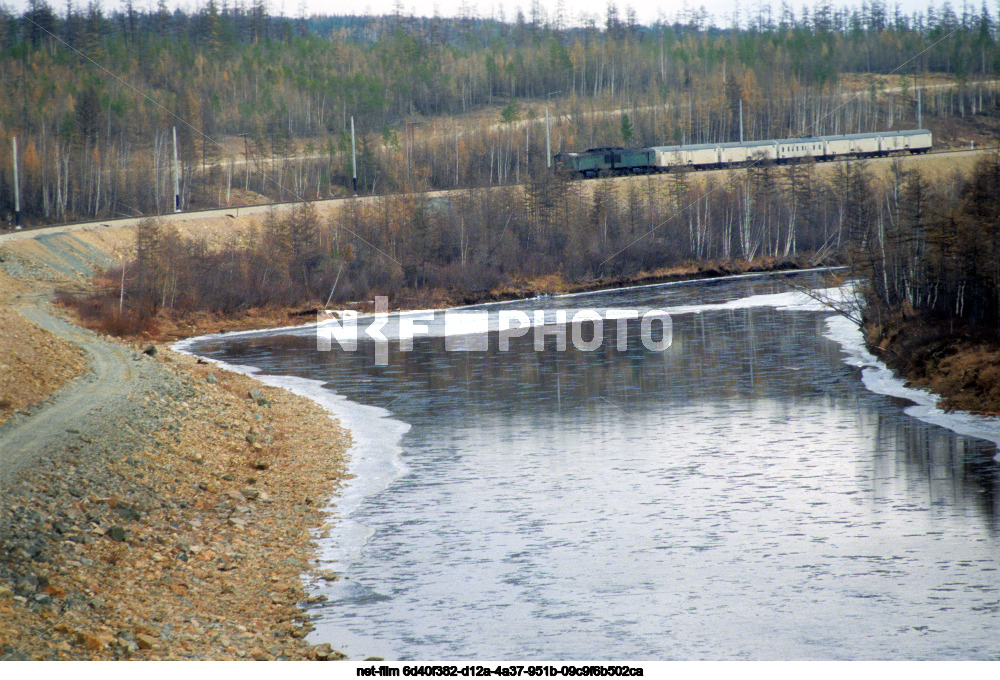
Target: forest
262, 105
928, 259
473, 245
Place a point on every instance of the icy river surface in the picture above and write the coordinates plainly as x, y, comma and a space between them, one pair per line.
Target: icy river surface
759, 489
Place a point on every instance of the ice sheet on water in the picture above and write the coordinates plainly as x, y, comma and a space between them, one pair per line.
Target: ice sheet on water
875, 375
878, 378
819, 300
373, 459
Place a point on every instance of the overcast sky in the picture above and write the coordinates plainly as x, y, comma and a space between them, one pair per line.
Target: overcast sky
646, 10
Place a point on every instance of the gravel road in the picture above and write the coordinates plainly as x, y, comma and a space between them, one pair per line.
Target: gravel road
82, 408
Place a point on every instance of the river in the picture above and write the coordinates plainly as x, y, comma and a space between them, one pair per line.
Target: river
740, 494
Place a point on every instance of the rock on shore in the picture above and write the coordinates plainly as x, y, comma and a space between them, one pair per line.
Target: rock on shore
176, 527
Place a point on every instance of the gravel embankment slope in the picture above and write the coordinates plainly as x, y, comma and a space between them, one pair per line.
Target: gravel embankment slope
174, 523
33, 364
152, 507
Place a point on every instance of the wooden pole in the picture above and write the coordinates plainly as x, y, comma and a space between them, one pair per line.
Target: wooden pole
354, 161
548, 140
741, 121
177, 176
17, 191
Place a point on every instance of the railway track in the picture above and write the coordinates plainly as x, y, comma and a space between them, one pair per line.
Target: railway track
264, 208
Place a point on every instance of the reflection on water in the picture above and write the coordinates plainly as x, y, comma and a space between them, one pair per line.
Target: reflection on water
739, 495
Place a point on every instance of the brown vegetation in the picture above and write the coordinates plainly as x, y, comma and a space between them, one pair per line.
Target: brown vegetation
936, 355
930, 261
431, 250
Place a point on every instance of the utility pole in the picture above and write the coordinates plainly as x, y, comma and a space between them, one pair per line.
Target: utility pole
177, 178
409, 147
548, 140
920, 124
741, 120
354, 161
246, 163
548, 137
17, 191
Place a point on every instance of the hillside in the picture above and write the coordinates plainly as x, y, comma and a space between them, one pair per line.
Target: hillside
262, 105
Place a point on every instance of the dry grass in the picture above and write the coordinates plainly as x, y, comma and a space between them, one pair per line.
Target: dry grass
969, 379
963, 369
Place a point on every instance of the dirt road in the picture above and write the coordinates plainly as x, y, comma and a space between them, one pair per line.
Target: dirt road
115, 372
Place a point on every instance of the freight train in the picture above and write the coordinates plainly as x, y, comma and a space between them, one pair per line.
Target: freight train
620, 161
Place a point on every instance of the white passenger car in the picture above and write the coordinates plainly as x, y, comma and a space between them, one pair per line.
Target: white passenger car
667, 157
864, 145
800, 147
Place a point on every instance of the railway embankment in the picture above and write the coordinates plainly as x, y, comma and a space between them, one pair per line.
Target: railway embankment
151, 506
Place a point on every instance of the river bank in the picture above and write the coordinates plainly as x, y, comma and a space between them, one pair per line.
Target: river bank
180, 533
172, 326
961, 367
151, 506
164, 509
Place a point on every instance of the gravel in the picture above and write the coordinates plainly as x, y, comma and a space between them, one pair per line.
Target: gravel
146, 530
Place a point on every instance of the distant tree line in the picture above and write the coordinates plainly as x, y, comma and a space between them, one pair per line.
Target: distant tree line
95, 145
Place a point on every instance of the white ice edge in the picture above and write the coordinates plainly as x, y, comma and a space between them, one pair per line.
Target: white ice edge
375, 454
373, 458
878, 378
438, 329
